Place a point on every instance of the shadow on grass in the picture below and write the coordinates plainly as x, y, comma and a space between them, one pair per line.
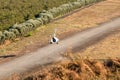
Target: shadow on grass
7, 56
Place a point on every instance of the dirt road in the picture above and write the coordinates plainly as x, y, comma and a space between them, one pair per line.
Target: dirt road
51, 53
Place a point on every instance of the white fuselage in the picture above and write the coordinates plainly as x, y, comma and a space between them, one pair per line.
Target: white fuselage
54, 40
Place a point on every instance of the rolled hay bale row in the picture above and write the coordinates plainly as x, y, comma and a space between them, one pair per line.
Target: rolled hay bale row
9, 35
21, 28
40, 20
15, 31
98, 0
48, 14
55, 12
65, 8
25, 29
88, 2
46, 17
91, 1
71, 7
61, 11
2, 37
29, 26
35, 23
83, 2
18, 29
12, 35
77, 5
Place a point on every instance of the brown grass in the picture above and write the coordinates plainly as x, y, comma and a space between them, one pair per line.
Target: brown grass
107, 47
78, 69
84, 19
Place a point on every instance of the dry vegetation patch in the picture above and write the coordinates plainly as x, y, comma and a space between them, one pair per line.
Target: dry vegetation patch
78, 69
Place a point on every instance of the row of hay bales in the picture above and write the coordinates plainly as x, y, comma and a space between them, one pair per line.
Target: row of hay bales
44, 17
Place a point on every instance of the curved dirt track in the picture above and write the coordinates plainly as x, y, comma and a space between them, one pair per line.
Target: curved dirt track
51, 53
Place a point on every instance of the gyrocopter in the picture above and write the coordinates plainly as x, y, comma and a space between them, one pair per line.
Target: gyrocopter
53, 38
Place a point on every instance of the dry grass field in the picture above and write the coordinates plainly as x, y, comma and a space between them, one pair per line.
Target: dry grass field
106, 48
76, 68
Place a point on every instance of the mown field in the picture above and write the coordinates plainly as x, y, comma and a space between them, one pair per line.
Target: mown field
17, 11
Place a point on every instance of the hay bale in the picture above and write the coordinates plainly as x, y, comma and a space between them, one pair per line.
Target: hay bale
65, 8
89, 1
12, 35
83, 2
98, 0
35, 23
2, 39
48, 13
15, 31
54, 11
0, 33
24, 29
29, 26
71, 6
77, 4
61, 11
21, 29
46, 17
6, 33
15, 26
40, 20
9, 35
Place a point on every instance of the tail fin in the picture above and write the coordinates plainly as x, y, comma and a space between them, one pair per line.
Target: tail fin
55, 30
